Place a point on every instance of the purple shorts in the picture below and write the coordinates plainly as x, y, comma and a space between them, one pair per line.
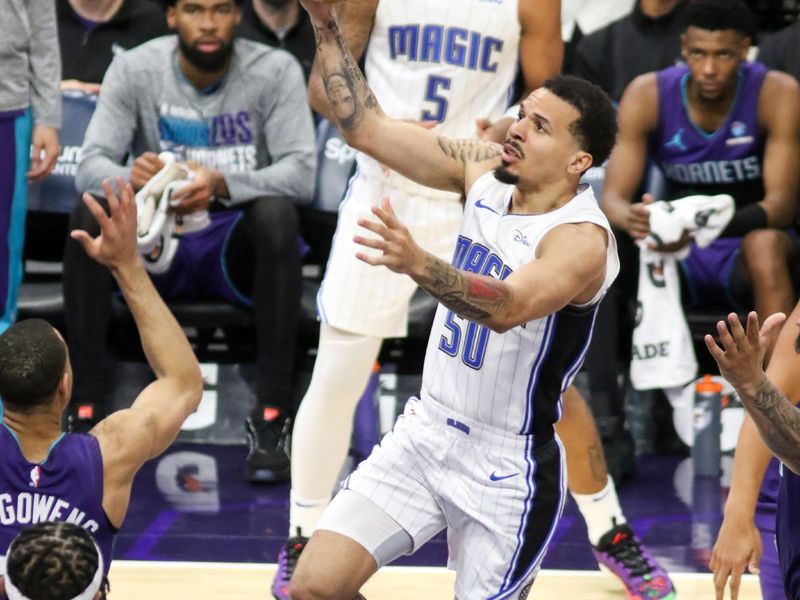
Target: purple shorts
198, 271
708, 273
771, 576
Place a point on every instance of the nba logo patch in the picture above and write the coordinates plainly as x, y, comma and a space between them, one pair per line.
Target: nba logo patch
738, 129
36, 475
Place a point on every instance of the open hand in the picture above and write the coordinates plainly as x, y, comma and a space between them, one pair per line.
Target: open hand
115, 247
740, 356
401, 253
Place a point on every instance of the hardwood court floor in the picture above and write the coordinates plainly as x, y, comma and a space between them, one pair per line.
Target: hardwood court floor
134, 580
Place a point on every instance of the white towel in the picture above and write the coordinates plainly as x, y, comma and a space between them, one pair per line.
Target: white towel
663, 353
704, 217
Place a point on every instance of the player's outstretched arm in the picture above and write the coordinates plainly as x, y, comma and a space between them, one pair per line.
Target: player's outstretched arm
412, 151
569, 267
738, 546
740, 356
130, 437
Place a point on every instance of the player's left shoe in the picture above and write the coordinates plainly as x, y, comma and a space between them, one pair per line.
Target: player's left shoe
622, 553
287, 561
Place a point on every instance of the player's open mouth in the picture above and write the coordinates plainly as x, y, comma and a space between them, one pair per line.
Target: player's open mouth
510, 152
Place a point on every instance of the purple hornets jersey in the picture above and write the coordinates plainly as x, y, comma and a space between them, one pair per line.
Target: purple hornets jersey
66, 486
726, 161
787, 531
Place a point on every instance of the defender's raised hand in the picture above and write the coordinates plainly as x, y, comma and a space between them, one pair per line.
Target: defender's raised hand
116, 244
741, 354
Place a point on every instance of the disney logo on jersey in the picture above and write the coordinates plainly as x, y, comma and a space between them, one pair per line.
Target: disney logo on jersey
36, 476
521, 238
739, 135
453, 46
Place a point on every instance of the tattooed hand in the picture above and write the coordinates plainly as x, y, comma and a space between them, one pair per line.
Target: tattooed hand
741, 357
401, 253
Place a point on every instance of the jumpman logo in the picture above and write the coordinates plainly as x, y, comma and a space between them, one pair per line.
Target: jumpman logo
676, 142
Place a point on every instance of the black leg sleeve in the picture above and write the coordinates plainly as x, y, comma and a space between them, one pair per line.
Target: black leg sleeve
87, 306
263, 256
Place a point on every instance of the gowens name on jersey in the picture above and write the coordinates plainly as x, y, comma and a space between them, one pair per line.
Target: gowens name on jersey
30, 508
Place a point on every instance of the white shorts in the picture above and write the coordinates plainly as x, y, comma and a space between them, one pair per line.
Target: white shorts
499, 499
367, 300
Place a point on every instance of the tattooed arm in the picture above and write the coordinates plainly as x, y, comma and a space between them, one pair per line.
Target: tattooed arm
569, 268
412, 151
777, 420
740, 359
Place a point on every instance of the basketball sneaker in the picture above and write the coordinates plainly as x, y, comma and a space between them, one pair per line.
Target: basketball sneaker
287, 561
268, 441
622, 553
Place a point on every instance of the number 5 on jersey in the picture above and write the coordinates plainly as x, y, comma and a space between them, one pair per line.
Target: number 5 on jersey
435, 93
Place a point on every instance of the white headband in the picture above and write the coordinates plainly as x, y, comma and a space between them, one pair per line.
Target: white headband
88, 594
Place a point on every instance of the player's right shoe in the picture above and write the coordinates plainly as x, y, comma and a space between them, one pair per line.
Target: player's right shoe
268, 446
622, 553
287, 561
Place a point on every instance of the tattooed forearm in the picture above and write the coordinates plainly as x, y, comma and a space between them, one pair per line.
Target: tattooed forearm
778, 421
345, 86
468, 150
474, 297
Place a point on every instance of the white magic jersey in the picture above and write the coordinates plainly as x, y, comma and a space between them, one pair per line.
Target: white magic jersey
442, 60
512, 381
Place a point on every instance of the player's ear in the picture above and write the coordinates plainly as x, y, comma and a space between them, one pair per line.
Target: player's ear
579, 162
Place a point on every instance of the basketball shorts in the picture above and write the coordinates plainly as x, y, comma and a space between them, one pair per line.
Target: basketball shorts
367, 300
498, 498
708, 273
198, 271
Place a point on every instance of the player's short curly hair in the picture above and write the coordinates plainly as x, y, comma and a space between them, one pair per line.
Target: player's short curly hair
53, 561
32, 361
595, 130
718, 15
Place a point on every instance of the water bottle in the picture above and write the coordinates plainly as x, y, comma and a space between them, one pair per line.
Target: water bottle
706, 453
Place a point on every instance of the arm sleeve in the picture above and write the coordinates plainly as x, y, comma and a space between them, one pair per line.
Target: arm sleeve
45, 63
110, 131
745, 220
291, 147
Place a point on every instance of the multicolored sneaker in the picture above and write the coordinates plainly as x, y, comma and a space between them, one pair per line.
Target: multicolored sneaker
622, 553
287, 561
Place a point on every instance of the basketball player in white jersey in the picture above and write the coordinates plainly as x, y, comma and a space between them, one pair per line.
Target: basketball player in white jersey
427, 62
477, 453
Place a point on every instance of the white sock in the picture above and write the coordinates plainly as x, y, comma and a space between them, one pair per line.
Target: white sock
305, 514
324, 422
600, 510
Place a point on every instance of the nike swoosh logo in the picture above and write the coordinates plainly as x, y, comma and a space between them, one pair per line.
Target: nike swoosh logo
479, 203
495, 477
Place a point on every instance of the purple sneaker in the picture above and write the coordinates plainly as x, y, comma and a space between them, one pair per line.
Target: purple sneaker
622, 553
287, 561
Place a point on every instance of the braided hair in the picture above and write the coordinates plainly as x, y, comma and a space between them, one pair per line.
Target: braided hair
53, 561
